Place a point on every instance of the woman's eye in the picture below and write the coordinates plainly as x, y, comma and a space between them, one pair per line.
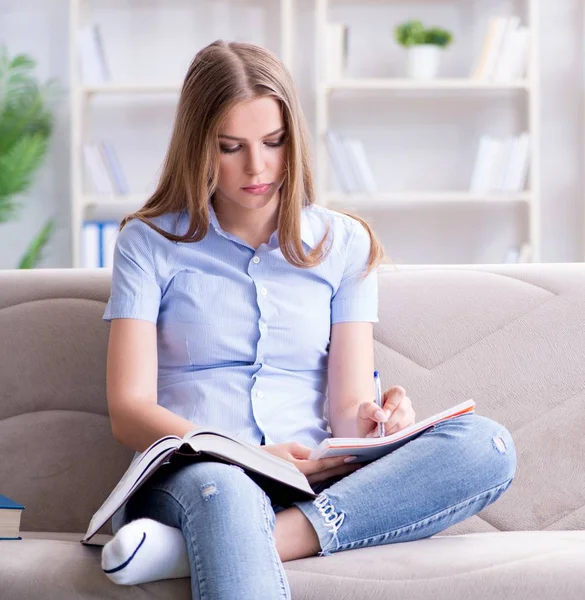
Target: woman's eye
229, 150
276, 144
232, 149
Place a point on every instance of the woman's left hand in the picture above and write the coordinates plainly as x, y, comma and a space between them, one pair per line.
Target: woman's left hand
398, 413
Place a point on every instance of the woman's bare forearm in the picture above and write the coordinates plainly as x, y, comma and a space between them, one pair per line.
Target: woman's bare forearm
344, 422
145, 423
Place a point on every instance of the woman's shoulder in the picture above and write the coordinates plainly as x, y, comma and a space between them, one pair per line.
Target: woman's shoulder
341, 225
143, 243
137, 228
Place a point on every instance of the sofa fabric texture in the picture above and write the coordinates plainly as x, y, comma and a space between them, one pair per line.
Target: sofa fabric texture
512, 337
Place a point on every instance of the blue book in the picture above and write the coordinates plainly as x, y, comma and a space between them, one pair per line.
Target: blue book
114, 167
10, 514
98, 239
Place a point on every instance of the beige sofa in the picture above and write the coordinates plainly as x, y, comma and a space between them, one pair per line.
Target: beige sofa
512, 337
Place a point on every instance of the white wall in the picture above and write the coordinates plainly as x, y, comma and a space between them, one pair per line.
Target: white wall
171, 28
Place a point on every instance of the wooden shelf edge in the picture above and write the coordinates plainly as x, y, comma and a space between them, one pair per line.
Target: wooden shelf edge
138, 88
462, 84
383, 200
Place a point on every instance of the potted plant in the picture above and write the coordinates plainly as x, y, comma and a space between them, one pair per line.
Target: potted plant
26, 125
424, 47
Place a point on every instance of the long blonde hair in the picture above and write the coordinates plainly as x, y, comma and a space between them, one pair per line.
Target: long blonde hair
222, 75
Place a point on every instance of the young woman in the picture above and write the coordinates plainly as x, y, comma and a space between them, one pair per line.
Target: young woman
239, 303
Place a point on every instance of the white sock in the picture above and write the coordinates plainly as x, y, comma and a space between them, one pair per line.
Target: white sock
145, 550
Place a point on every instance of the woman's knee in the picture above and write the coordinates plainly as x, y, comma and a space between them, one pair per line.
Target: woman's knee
207, 477
490, 446
178, 490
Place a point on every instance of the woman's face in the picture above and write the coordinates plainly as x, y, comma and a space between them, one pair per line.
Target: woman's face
252, 153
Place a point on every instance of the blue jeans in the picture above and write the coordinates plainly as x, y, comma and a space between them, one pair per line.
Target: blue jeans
447, 474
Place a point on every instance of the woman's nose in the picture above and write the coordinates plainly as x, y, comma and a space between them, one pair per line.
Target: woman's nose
255, 161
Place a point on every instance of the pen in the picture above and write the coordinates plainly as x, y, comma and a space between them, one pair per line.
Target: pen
378, 396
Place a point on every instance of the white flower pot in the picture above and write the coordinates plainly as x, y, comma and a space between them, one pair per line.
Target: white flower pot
423, 61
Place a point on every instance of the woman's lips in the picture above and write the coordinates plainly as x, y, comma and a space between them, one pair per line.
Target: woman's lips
258, 189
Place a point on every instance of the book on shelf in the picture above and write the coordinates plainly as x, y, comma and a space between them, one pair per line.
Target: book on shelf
504, 53
335, 51
511, 255
518, 254
486, 157
96, 170
360, 161
517, 167
513, 56
94, 67
501, 164
518, 64
10, 516
525, 253
339, 161
350, 164
113, 166
103, 168
98, 240
368, 449
279, 478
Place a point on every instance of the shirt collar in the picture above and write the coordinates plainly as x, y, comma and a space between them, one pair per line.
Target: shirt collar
306, 231
213, 218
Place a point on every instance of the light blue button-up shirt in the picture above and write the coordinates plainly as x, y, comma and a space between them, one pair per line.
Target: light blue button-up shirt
243, 335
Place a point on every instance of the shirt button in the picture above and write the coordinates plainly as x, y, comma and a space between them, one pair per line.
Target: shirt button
264, 291
256, 260
260, 394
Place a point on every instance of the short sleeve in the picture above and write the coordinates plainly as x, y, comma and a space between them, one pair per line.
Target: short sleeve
356, 298
135, 292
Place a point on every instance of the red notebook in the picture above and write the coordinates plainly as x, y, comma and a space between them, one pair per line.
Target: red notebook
368, 449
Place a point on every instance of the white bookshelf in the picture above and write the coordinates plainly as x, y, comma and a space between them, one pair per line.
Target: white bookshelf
430, 86
450, 87
382, 201
130, 88
100, 207
324, 94
88, 205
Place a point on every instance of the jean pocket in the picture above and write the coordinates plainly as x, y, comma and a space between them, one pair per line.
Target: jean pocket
197, 297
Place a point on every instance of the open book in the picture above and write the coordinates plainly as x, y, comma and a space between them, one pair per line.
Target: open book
280, 479
367, 449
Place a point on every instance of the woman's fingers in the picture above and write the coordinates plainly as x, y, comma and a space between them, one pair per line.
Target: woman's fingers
326, 464
401, 417
322, 465
406, 421
372, 412
393, 397
339, 470
298, 450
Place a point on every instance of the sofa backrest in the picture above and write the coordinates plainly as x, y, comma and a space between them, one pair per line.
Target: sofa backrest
512, 337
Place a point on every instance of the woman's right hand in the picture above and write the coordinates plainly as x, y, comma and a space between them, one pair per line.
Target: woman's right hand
314, 470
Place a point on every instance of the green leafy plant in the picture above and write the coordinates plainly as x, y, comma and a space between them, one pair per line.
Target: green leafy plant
26, 125
413, 33
34, 252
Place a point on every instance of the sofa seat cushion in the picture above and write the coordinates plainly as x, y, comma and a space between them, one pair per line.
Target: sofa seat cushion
524, 565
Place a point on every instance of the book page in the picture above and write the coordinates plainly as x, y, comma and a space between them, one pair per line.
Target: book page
138, 471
